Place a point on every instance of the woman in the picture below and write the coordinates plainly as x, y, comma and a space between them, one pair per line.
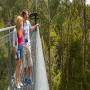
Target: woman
19, 51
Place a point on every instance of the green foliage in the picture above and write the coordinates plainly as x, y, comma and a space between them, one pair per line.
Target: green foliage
57, 81
12, 8
1, 24
3, 68
67, 40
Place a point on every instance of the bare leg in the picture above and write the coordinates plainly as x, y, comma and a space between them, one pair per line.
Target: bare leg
17, 72
29, 71
24, 73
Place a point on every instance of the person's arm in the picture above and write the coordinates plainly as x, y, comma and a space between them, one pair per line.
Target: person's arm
33, 28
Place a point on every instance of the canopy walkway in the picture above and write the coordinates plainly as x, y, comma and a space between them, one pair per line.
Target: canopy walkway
7, 62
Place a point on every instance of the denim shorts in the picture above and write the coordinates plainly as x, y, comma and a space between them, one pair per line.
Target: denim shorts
19, 52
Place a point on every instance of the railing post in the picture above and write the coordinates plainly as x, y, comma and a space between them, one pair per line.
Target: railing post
9, 61
33, 51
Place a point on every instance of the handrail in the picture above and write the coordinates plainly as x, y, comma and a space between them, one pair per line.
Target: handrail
7, 28
6, 33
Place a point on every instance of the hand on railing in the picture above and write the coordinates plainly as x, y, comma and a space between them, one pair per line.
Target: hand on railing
38, 25
34, 28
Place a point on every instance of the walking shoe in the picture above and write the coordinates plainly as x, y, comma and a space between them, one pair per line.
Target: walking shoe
25, 82
18, 86
20, 83
29, 81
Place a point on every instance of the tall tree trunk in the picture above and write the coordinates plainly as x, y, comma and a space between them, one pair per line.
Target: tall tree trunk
49, 56
83, 41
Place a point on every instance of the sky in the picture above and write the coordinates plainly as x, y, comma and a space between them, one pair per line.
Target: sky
87, 1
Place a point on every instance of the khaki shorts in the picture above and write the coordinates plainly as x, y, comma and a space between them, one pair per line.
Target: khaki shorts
27, 61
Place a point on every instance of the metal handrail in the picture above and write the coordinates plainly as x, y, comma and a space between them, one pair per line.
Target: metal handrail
7, 28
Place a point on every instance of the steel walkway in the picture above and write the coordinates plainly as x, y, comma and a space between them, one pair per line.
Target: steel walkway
39, 75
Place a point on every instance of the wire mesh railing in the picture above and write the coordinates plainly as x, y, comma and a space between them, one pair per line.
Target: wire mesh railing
7, 65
